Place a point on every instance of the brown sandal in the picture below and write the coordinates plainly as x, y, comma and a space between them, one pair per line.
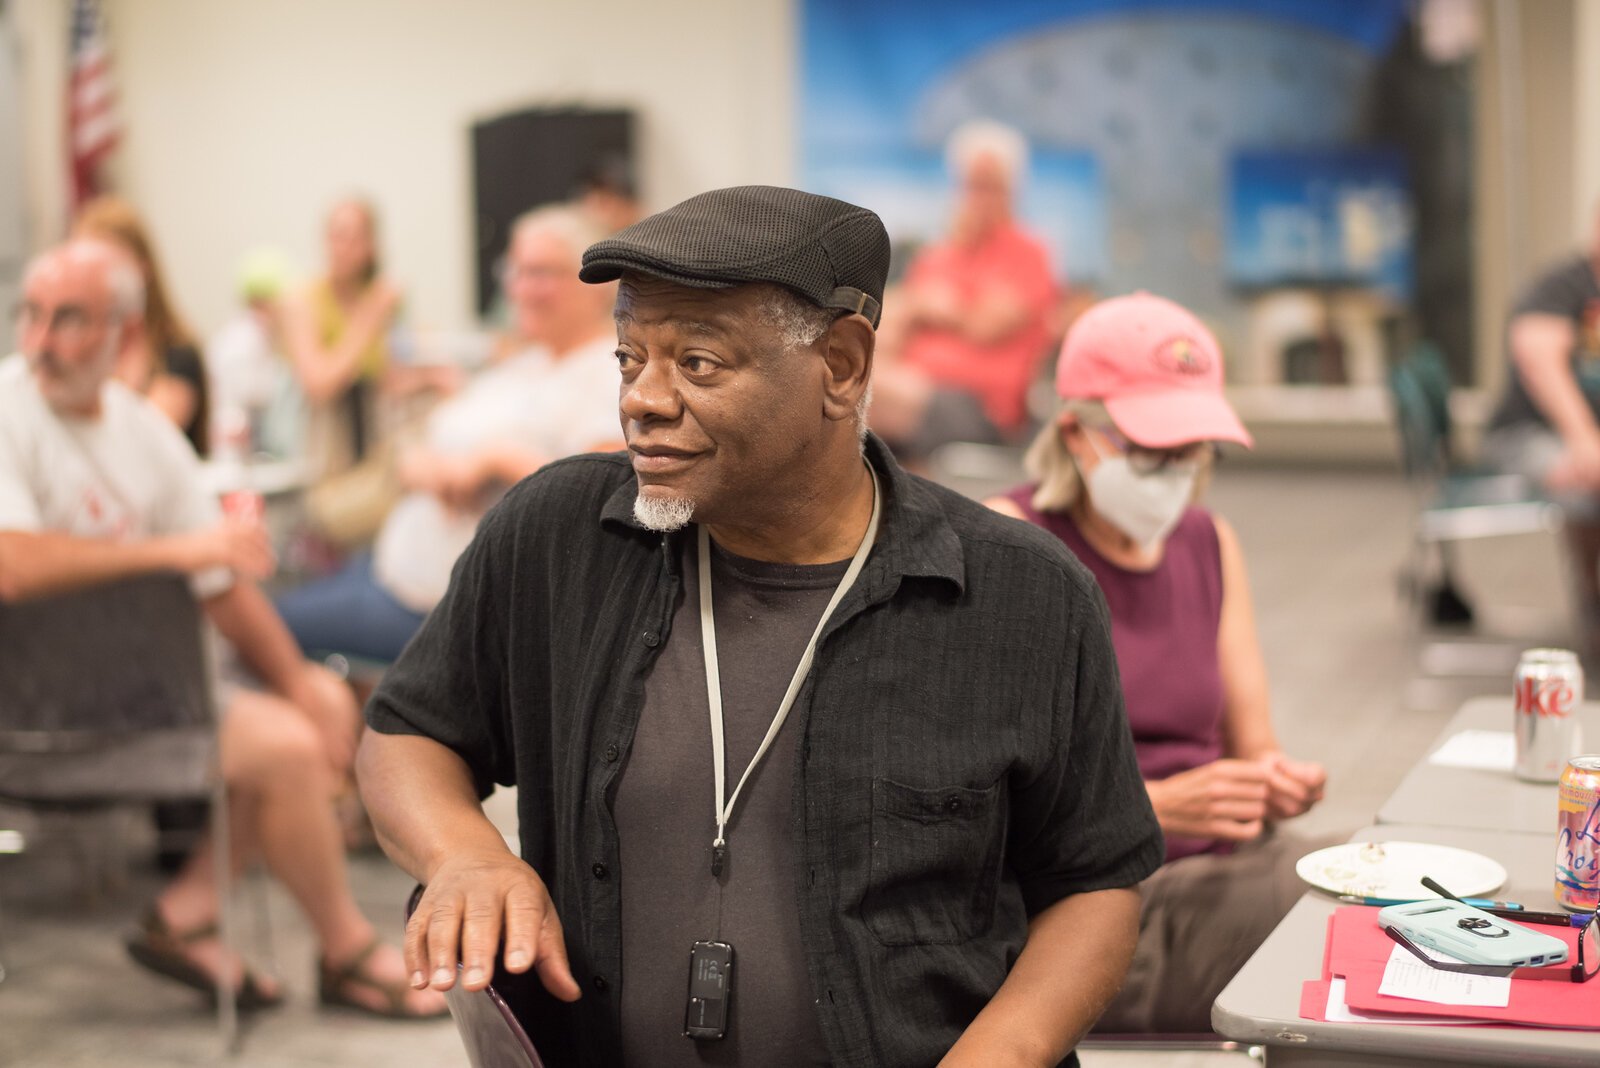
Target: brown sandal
160, 949
335, 982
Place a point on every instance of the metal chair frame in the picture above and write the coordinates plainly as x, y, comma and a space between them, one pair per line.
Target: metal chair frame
79, 741
1453, 502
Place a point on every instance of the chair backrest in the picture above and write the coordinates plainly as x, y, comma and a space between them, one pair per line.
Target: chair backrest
105, 694
1419, 387
489, 1029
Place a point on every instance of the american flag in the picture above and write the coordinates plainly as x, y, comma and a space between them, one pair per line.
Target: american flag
92, 129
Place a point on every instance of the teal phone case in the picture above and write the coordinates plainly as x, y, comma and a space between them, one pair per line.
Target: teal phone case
1472, 935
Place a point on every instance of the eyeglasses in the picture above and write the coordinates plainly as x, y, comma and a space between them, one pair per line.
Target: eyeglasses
1586, 967
70, 321
1146, 461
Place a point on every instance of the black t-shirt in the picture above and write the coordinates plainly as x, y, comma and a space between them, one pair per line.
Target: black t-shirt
664, 811
1571, 291
963, 761
183, 363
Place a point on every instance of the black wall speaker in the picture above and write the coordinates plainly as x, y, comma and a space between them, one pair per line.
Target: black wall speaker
539, 156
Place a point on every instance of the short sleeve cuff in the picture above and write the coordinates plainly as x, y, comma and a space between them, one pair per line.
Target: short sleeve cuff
1040, 892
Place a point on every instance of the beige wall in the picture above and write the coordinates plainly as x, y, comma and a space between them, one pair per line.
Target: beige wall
1538, 149
245, 119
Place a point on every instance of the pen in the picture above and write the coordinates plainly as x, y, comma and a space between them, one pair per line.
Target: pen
1475, 902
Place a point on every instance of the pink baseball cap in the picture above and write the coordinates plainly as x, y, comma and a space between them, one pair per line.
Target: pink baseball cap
1156, 367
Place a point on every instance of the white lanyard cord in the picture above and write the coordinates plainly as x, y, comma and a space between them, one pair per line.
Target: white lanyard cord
708, 636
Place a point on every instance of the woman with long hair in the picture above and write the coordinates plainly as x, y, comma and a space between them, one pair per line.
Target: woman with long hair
165, 365
337, 334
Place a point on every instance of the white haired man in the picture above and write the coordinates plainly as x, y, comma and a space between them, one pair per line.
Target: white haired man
963, 336
550, 392
96, 485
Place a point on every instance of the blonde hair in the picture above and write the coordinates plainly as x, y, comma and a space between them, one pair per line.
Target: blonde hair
115, 220
1048, 461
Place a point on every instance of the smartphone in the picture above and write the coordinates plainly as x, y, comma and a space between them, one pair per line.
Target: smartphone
1472, 935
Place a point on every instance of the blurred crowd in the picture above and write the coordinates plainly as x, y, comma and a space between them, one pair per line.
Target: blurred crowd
319, 462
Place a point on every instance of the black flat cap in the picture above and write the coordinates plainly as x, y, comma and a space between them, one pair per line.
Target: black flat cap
834, 254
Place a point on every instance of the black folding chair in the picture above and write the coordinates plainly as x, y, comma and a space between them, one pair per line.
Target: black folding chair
106, 702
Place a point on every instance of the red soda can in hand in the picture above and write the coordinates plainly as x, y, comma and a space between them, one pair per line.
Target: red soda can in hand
245, 506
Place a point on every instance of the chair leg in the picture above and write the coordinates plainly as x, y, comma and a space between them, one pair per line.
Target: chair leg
227, 1008
11, 842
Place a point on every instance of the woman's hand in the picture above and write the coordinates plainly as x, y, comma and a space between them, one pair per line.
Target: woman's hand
1293, 785
1225, 799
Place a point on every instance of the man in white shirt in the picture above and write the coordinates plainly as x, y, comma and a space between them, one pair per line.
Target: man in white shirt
95, 485
551, 392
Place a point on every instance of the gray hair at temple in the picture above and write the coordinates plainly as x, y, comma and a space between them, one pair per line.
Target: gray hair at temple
977, 139
799, 323
123, 280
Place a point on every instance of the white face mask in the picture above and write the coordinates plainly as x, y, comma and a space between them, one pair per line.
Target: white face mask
1143, 506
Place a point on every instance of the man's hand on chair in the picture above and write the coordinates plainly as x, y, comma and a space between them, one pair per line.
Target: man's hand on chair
470, 900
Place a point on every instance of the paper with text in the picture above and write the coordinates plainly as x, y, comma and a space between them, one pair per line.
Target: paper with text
1407, 977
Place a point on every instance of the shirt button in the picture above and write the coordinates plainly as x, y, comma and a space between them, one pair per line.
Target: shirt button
599, 982
600, 871
651, 638
612, 752
952, 804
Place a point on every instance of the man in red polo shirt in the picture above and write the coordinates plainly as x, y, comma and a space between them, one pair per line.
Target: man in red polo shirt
974, 311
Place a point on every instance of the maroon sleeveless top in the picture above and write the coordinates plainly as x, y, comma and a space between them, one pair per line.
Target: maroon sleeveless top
1164, 628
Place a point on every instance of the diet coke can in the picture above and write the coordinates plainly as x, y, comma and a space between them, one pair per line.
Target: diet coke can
1546, 690
1577, 830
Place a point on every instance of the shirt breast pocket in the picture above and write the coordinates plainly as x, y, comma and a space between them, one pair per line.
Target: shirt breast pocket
936, 856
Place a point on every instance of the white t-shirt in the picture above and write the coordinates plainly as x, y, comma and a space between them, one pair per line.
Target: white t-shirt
551, 407
125, 476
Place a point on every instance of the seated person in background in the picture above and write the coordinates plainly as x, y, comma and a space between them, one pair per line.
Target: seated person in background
95, 486
965, 331
336, 331
248, 373
164, 362
1117, 473
1547, 426
551, 392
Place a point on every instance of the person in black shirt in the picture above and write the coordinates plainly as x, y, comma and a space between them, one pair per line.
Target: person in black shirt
1547, 425
929, 832
165, 363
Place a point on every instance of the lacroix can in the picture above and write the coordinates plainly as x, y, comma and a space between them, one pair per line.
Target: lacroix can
1577, 831
1546, 690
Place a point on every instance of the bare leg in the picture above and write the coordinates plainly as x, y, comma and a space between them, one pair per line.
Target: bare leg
274, 759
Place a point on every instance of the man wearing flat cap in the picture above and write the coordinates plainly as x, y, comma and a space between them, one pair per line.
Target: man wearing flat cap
817, 762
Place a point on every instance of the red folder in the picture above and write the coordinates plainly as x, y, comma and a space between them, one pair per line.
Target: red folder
1358, 949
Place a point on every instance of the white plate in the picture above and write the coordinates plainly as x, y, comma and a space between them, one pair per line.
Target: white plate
1395, 869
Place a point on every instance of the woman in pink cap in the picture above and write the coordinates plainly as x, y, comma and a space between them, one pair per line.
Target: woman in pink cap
1118, 472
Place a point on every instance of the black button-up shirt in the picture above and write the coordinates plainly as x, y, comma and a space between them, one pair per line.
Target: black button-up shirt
964, 761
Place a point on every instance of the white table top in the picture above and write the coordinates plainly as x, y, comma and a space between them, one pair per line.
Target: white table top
1466, 797
1262, 1003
